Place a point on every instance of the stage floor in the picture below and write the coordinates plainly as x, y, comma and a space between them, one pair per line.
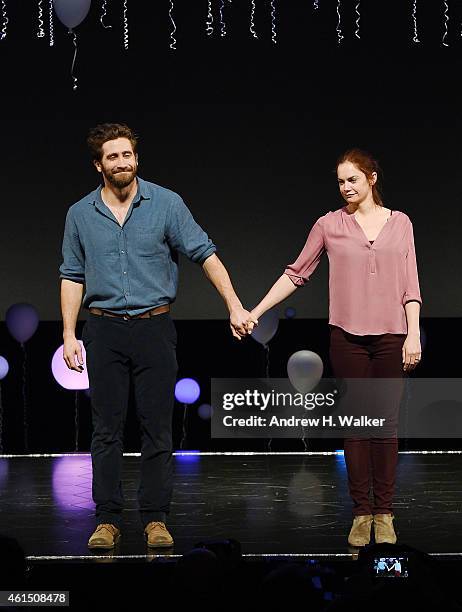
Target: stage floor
274, 504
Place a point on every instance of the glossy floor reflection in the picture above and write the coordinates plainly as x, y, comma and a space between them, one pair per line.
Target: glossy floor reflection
273, 504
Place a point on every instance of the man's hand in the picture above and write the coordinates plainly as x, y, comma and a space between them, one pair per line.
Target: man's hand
72, 354
241, 322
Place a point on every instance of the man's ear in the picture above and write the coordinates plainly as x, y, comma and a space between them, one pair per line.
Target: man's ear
97, 165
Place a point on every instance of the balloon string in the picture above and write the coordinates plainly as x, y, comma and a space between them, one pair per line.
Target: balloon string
24, 399
185, 412
76, 420
5, 20
50, 12
172, 33
41, 31
1, 420
103, 15
74, 35
267, 366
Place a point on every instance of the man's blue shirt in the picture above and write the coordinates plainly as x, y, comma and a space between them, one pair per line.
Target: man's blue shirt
134, 267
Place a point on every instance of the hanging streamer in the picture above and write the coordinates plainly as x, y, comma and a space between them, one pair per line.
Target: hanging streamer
172, 33
414, 17
41, 31
222, 19
252, 20
50, 14
357, 9
316, 5
209, 23
273, 22
103, 15
339, 29
74, 38
4, 20
446, 19
125, 25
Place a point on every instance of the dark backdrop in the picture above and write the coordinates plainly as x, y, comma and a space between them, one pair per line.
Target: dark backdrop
248, 133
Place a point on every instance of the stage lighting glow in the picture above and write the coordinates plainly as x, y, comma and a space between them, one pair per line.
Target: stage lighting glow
187, 390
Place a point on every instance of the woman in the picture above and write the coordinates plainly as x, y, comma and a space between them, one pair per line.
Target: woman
374, 308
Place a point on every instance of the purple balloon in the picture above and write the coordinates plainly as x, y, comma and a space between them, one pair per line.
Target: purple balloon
22, 321
4, 367
71, 12
69, 379
187, 390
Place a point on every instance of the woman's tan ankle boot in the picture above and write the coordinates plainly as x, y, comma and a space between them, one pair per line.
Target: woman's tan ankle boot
360, 533
383, 529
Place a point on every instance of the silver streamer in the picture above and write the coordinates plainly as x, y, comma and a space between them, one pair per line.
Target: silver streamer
446, 19
40, 31
222, 20
209, 22
172, 33
125, 25
103, 15
357, 9
414, 18
252, 20
316, 5
50, 21
339, 29
4, 20
74, 78
273, 22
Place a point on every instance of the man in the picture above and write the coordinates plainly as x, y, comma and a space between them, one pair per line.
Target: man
121, 242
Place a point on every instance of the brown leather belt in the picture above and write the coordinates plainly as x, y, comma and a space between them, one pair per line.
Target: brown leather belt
144, 315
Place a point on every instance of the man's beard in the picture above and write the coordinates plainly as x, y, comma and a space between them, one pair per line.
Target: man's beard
120, 179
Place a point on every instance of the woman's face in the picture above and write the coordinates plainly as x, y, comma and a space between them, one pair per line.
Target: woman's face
353, 183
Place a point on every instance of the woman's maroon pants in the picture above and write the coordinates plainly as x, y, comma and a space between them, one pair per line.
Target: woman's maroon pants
369, 460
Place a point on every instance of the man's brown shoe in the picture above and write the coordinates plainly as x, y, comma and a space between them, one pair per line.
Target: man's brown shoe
157, 535
104, 536
360, 533
383, 529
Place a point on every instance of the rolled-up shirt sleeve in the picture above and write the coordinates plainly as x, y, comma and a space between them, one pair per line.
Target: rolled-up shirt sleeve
303, 267
412, 292
73, 266
185, 235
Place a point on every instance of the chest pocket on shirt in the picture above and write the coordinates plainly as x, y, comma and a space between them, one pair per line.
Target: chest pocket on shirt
146, 244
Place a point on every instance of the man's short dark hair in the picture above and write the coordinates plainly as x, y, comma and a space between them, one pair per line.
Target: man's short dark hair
103, 132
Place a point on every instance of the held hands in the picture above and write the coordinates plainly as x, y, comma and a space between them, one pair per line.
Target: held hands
241, 322
411, 352
72, 354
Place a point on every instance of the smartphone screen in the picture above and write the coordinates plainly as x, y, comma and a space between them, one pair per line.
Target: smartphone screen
391, 567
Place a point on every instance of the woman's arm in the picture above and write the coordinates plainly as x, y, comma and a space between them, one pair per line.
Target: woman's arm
281, 290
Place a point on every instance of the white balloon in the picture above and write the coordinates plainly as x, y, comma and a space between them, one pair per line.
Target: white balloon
305, 369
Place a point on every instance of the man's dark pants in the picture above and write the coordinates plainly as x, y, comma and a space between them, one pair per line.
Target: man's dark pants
145, 350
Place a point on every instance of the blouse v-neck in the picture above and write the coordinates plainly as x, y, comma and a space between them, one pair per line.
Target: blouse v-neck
363, 232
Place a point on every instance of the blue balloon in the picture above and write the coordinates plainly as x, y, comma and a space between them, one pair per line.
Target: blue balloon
22, 321
71, 12
187, 390
290, 312
267, 326
4, 367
